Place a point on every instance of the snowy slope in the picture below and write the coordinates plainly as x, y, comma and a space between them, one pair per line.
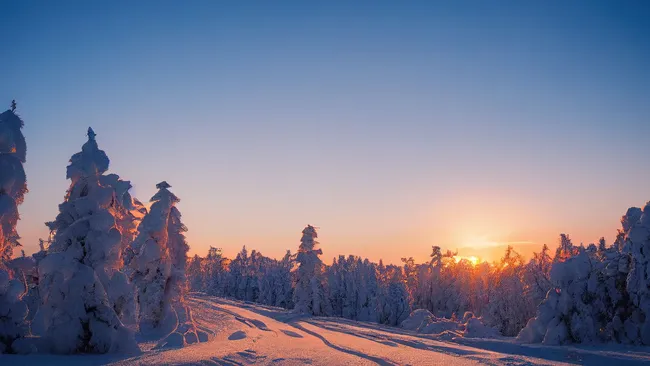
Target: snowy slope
248, 333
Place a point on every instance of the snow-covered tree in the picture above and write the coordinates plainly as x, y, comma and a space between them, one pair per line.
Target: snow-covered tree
588, 301
216, 272
274, 279
127, 213
13, 312
76, 314
159, 271
637, 244
309, 291
13, 182
195, 274
537, 276
353, 288
368, 302
240, 279
508, 311
13, 186
284, 295
565, 249
394, 302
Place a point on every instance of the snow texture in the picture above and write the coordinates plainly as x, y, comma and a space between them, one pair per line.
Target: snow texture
256, 334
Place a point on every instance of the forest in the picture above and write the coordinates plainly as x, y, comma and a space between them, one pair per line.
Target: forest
113, 268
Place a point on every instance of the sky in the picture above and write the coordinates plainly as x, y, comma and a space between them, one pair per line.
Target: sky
391, 126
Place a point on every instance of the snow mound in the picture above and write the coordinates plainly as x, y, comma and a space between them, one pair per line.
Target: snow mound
423, 321
474, 328
416, 319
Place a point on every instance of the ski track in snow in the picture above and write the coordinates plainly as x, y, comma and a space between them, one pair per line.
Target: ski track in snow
247, 334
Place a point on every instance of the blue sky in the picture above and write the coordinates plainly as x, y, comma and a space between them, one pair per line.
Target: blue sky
392, 126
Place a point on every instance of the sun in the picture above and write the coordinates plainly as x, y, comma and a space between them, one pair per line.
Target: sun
473, 260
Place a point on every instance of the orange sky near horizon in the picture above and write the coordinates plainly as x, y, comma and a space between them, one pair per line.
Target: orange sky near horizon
389, 248
479, 223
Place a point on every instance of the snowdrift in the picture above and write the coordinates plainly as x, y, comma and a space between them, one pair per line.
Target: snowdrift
423, 321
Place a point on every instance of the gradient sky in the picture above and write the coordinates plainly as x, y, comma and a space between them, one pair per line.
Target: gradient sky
393, 126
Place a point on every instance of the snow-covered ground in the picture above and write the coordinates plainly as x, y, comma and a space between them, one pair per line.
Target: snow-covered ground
247, 333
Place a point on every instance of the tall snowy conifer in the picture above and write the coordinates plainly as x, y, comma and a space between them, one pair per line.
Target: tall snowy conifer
13, 182
637, 244
395, 305
75, 309
309, 292
159, 270
13, 187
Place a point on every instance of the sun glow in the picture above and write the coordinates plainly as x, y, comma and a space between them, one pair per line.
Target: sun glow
471, 259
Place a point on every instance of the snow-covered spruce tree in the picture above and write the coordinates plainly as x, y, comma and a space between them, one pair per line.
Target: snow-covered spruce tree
267, 278
284, 291
13, 186
565, 249
274, 279
637, 244
159, 271
239, 284
353, 288
369, 294
216, 272
13, 182
127, 213
335, 285
394, 302
195, 274
75, 310
309, 290
630, 218
587, 303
